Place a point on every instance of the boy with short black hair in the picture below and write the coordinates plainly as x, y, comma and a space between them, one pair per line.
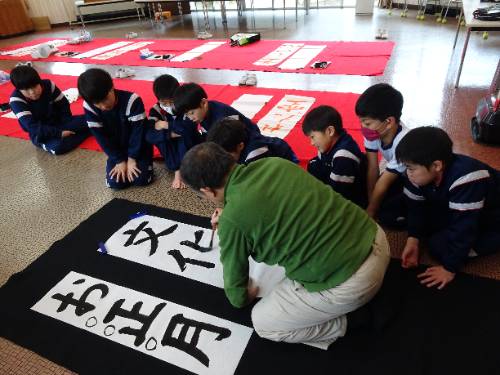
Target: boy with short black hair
191, 100
379, 110
246, 147
340, 163
453, 200
334, 255
172, 134
118, 121
44, 112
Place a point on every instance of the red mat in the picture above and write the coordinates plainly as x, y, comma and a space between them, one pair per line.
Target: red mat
344, 102
352, 58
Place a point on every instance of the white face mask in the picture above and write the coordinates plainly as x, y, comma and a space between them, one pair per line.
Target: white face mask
167, 109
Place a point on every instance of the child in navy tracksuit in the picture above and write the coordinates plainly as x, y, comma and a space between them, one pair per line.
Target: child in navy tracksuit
43, 111
245, 146
453, 200
173, 135
379, 109
340, 163
118, 121
190, 99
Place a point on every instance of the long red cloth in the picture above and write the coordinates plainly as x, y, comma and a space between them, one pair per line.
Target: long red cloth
352, 58
343, 102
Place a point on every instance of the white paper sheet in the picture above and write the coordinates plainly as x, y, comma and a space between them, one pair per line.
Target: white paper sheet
71, 94
279, 54
210, 345
198, 51
283, 117
249, 104
121, 51
29, 49
100, 50
138, 241
302, 57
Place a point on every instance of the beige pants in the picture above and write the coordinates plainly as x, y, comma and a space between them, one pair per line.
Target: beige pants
292, 314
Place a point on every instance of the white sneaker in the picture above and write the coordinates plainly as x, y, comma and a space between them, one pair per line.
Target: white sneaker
204, 35
251, 80
243, 80
124, 73
27, 63
382, 34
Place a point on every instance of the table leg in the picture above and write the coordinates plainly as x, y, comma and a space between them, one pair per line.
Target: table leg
284, 20
151, 10
138, 14
463, 56
223, 11
458, 26
81, 15
205, 14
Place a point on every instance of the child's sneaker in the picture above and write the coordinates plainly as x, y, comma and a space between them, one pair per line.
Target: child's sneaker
243, 80
382, 34
251, 80
27, 63
204, 35
124, 73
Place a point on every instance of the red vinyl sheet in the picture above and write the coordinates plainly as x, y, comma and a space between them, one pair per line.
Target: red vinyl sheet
343, 102
350, 58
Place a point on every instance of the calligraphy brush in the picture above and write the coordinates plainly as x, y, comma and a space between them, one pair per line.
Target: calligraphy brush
211, 245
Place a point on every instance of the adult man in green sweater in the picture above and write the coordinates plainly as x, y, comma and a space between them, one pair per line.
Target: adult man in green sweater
334, 255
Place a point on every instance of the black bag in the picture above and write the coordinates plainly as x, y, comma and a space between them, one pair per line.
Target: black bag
485, 125
491, 13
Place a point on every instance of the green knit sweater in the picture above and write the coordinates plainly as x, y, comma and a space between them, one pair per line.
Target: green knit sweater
277, 213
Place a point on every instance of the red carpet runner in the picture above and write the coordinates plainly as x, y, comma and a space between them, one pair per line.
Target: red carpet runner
344, 102
352, 58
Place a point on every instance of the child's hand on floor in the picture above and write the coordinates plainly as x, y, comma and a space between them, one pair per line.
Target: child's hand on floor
132, 170
409, 258
119, 171
436, 275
